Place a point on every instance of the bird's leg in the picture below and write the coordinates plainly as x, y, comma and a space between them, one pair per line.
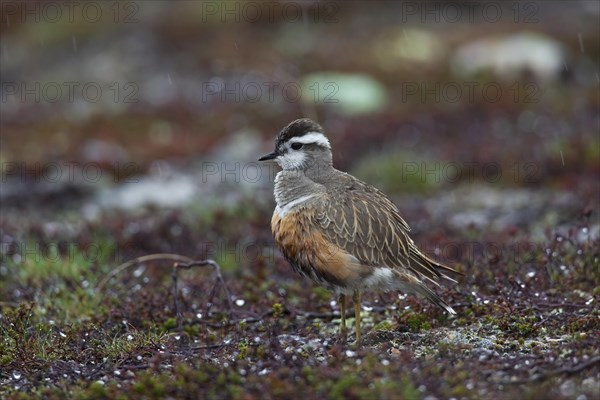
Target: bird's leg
356, 299
343, 315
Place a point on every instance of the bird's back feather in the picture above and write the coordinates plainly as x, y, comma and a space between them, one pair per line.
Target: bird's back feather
363, 221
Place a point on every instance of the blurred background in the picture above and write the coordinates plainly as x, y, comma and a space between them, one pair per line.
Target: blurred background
143, 120
129, 128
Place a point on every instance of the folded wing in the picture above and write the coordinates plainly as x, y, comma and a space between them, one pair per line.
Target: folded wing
368, 226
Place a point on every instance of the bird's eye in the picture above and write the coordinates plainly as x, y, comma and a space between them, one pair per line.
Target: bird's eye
296, 146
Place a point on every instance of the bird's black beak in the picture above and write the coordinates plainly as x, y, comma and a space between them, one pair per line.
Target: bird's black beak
270, 156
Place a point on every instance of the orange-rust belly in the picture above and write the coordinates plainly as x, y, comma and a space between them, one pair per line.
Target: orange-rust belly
310, 253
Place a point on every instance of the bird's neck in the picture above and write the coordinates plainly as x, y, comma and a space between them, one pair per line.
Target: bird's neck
293, 185
319, 170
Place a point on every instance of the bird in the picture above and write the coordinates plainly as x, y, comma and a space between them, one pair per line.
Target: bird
341, 232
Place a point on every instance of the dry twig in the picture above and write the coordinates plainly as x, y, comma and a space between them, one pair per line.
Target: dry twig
219, 283
179, 262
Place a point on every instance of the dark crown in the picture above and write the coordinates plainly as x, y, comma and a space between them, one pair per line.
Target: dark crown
297, 128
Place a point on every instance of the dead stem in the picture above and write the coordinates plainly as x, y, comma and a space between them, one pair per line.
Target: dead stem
179, 262
219, 283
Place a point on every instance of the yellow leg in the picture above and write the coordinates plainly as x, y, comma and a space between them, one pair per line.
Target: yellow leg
356, 299
343, 315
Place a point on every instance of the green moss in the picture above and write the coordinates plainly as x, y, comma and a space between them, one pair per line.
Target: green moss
242, 349
227, 260
261, 352
309, 374
519, 326
415, 322
170, 323
409, 391
277, 310
321, 293
384, 326
242, 325
190, 330
342, 389
97, 390
460, 391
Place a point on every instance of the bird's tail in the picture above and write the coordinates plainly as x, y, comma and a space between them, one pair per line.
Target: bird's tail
431, 296
428, 268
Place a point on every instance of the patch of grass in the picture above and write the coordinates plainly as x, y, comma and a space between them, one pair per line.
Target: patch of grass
26, 340
37, 263
125, 345
65, 274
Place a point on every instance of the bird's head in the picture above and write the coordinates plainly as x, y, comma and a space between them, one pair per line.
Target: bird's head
301, 145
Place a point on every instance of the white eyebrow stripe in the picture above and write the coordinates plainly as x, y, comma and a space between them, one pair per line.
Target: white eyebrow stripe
312, 137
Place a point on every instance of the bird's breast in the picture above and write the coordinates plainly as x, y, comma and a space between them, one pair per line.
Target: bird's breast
309, 252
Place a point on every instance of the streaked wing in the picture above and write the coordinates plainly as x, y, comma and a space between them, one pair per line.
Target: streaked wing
368, 225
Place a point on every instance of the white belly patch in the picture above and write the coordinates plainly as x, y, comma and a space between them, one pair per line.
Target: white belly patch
381, 278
